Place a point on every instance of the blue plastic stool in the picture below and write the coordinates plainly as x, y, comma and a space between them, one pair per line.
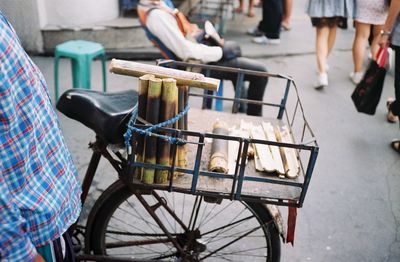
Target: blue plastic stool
81, 53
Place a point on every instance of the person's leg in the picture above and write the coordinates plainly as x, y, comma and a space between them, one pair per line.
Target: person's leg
272, 18
360, 44
395, 105
250, 11
256, 84
322, 48
376, 29
239, 9
287, 13
331, 39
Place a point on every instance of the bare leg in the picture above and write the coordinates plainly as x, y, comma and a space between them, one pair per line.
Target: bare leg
322, 48
250, 11
240, 8
376, 29
331, 39
287, 13
359, 45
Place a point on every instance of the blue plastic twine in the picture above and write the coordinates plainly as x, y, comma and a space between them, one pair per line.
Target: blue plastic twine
149, 131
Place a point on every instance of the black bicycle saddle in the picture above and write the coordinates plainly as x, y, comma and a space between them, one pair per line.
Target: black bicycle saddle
105, 113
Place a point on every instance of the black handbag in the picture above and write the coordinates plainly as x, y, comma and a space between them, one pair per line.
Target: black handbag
368, 92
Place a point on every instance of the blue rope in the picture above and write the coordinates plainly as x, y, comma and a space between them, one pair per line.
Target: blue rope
149, 131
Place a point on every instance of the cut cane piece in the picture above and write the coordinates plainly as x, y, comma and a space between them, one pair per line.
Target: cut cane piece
264, 154
290, 154
233, 149
276, 155
219, 149
245, 127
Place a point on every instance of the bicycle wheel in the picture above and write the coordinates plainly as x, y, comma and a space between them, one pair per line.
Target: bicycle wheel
120, 226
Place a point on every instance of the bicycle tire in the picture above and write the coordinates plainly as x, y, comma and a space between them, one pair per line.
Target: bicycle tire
102, 229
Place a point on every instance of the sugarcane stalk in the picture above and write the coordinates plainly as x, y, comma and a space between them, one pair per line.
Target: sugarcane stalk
152, 116
167, 111
182, 124
130, 68
174, 156
142, 102
219, 149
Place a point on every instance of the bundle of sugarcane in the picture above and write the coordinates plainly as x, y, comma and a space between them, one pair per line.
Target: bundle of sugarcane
158, 102
219, 149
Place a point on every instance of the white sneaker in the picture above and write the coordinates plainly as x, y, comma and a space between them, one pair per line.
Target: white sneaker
356, 77
263, 40
254, 31
322, 81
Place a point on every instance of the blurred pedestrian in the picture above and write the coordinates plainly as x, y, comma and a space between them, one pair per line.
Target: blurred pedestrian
287, 13
269, 28
39, 190
250, 10
370, 15
326, 16
390, 34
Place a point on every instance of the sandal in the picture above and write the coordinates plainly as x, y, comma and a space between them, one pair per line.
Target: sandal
395, 144
239, 10
391, 118
285, 26
250, 14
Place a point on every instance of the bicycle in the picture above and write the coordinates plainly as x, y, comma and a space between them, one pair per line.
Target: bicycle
132, 221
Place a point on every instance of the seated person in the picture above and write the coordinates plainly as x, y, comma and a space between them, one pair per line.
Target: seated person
184, 40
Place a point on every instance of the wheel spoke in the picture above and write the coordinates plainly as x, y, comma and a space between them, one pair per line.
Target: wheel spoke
229, 243
227, 225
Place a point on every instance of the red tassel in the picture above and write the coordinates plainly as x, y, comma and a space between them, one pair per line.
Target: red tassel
291, 225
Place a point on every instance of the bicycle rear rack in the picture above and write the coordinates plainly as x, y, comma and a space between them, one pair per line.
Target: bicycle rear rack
244, 184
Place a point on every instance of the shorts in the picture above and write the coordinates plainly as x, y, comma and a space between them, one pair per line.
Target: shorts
338, 21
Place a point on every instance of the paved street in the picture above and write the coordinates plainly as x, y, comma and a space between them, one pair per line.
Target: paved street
352, 210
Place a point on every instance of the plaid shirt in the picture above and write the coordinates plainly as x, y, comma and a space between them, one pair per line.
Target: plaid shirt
39, 190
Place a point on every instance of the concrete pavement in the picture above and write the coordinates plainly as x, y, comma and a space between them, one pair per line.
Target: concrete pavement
352, 210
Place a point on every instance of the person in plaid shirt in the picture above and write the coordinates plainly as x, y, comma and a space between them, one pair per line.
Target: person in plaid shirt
39, 189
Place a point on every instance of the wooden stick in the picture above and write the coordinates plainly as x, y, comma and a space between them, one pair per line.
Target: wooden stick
152, 116
219, 149
130, 68
142, 102
167, 111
